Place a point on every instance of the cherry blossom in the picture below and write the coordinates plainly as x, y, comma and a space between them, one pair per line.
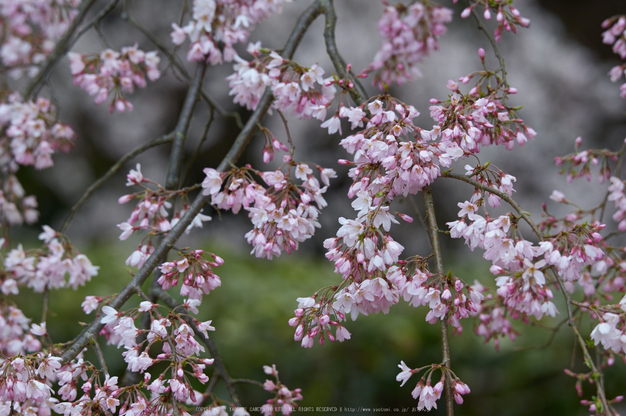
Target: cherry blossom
31, 135
408, 35
297, 90
506, 17
216, 22
114, 73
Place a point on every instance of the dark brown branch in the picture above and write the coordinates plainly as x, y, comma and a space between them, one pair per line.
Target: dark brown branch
100, 355
96, 20
180, 132
358, 92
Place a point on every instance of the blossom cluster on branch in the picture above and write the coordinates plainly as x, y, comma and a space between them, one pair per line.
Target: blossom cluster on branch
572, 260
114, 73
30, 30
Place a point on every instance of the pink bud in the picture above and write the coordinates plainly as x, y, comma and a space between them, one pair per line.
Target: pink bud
125, 198
299, 333
405, 217
218, 259
578, 141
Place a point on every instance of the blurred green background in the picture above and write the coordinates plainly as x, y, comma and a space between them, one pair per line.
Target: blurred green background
257, 297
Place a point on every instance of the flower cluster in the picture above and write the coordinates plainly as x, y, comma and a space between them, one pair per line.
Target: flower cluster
408, 34
507, 17
58, 265
493, 323
480, 117
25, 385
615, 35
426, 394
285, 399
46, 268
151, 214
608, 334
301, 91
313, 319
574, 252
579, 164
114, 73
391, 157
217, 25
15, 337
169, 339
31, 29
616, 190
30, 134
448, 298
521, 282
283, 214
194, 271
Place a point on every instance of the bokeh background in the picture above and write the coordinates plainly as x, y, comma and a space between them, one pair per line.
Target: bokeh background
560, 68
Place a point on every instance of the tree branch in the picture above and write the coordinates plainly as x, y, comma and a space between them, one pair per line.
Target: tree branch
568, 300
160, 252
112, 170
358, 93
445, 342
179, 66
218, 363
178, 147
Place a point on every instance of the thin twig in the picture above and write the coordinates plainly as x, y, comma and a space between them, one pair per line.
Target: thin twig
180, 132
358, 93
445, 342
112, 170
44, 301
203, 138
100, 355
96, 20
218, 363
494, 45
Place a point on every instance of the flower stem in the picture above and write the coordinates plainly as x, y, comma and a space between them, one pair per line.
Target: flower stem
445, 343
